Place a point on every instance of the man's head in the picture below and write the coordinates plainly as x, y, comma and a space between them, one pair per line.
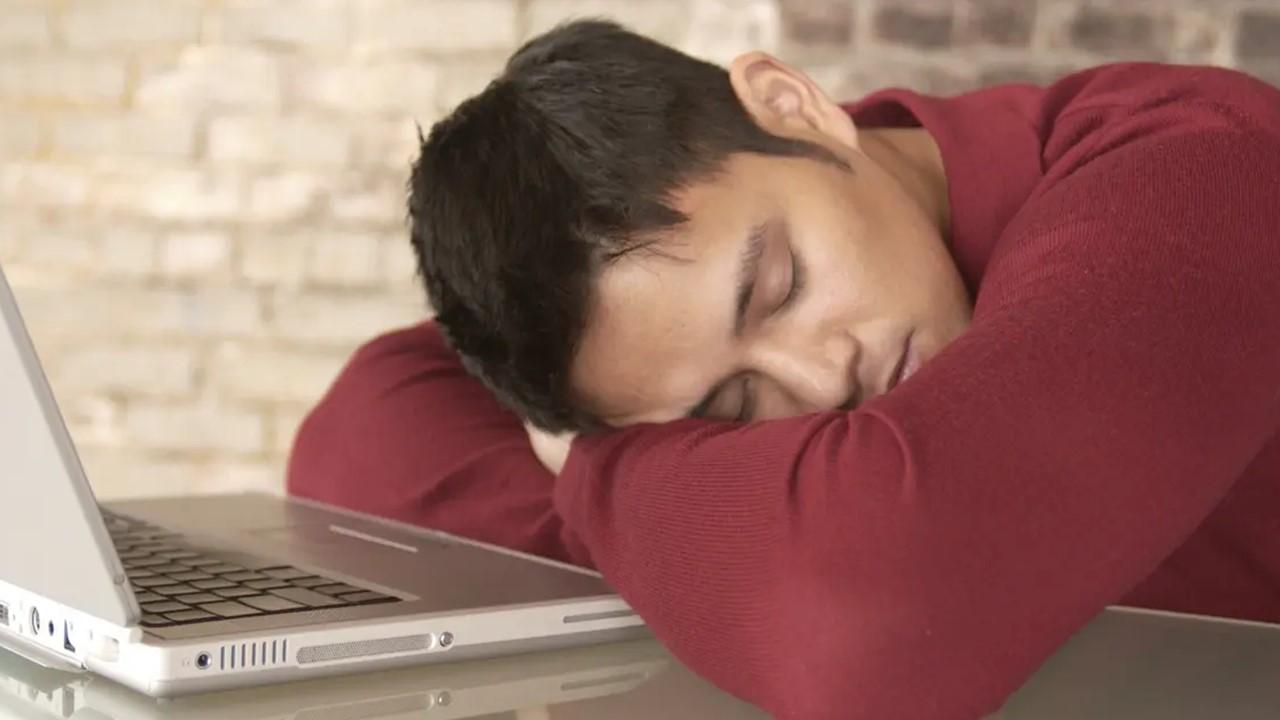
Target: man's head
613, 232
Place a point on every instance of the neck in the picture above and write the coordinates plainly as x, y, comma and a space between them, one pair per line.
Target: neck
911, 155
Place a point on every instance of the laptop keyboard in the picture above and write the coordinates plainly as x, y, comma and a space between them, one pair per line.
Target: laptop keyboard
177, 583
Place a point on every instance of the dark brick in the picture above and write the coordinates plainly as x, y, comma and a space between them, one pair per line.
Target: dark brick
1123, 33
818, 22
1258, 37
927, 26
1001, 22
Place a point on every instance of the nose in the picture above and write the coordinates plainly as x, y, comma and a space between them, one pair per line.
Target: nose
819, 373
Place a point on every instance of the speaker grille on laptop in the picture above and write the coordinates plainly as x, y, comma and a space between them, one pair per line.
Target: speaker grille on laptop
263, 653
362, 648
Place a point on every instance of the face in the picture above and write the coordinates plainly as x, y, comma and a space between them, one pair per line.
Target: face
796, 286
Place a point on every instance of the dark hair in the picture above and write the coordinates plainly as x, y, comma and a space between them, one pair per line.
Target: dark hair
565, 162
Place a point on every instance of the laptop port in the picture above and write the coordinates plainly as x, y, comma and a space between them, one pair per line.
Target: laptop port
66, 637
4, 615
35, 621
203, 661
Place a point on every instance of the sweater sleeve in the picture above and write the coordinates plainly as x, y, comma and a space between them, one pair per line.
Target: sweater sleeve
921, 556
404, 432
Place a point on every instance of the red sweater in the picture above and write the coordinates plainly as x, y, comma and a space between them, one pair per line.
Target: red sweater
1106, 432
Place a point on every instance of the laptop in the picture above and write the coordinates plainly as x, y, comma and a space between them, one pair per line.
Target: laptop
578, 682
171, 596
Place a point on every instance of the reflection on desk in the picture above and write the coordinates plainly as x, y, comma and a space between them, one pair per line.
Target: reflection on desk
1126, 664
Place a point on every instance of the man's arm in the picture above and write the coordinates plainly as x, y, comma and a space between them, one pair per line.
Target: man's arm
406, 433
922, 556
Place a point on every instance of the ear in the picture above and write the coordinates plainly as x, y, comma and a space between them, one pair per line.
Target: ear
785, 101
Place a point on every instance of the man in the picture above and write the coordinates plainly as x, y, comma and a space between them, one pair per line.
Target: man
878, 404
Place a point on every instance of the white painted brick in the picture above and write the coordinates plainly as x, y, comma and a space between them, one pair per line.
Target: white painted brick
211, 77
400, 265
25, 26
388, 143
19, 136
53, 79
273, 374
221, 312
720, 30
289, 141
148, 370
283, 197
461, 79
285, 421
170, 136
343, 320
274, 259
302, 23
191, 195
436, 26
194, 427
92, 421
666, 21
118, 24
346, 260
229, 475
119, 473
87, 311
196, 254
127, 252
43, 185
64, 250
402, 87
370, 199
11, 248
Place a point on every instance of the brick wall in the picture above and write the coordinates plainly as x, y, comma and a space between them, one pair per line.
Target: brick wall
201, 200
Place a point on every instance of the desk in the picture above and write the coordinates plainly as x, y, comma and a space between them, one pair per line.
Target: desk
1129, 665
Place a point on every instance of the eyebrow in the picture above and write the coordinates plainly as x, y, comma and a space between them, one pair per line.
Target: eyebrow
748, 268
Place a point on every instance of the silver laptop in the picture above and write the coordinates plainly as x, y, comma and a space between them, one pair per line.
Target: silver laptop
179, 595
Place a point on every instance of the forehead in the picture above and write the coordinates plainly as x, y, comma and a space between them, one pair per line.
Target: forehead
659, 328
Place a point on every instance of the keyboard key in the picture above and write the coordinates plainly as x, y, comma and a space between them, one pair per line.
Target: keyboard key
365, 597
190, 616
237, 592
228, 609
155, 621
152, 582
164, 607
179, 554
285, 573
146, 562
190, 575
244, 575
201, 562
197, 598
267, 584
169, 568
135, 574
146, 597
338, 589
310, 581
307, 597
222, 568
155, 547
213, 584
178, 589
133, 554
271, 603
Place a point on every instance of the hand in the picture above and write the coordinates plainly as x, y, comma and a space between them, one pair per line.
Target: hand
551, 449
